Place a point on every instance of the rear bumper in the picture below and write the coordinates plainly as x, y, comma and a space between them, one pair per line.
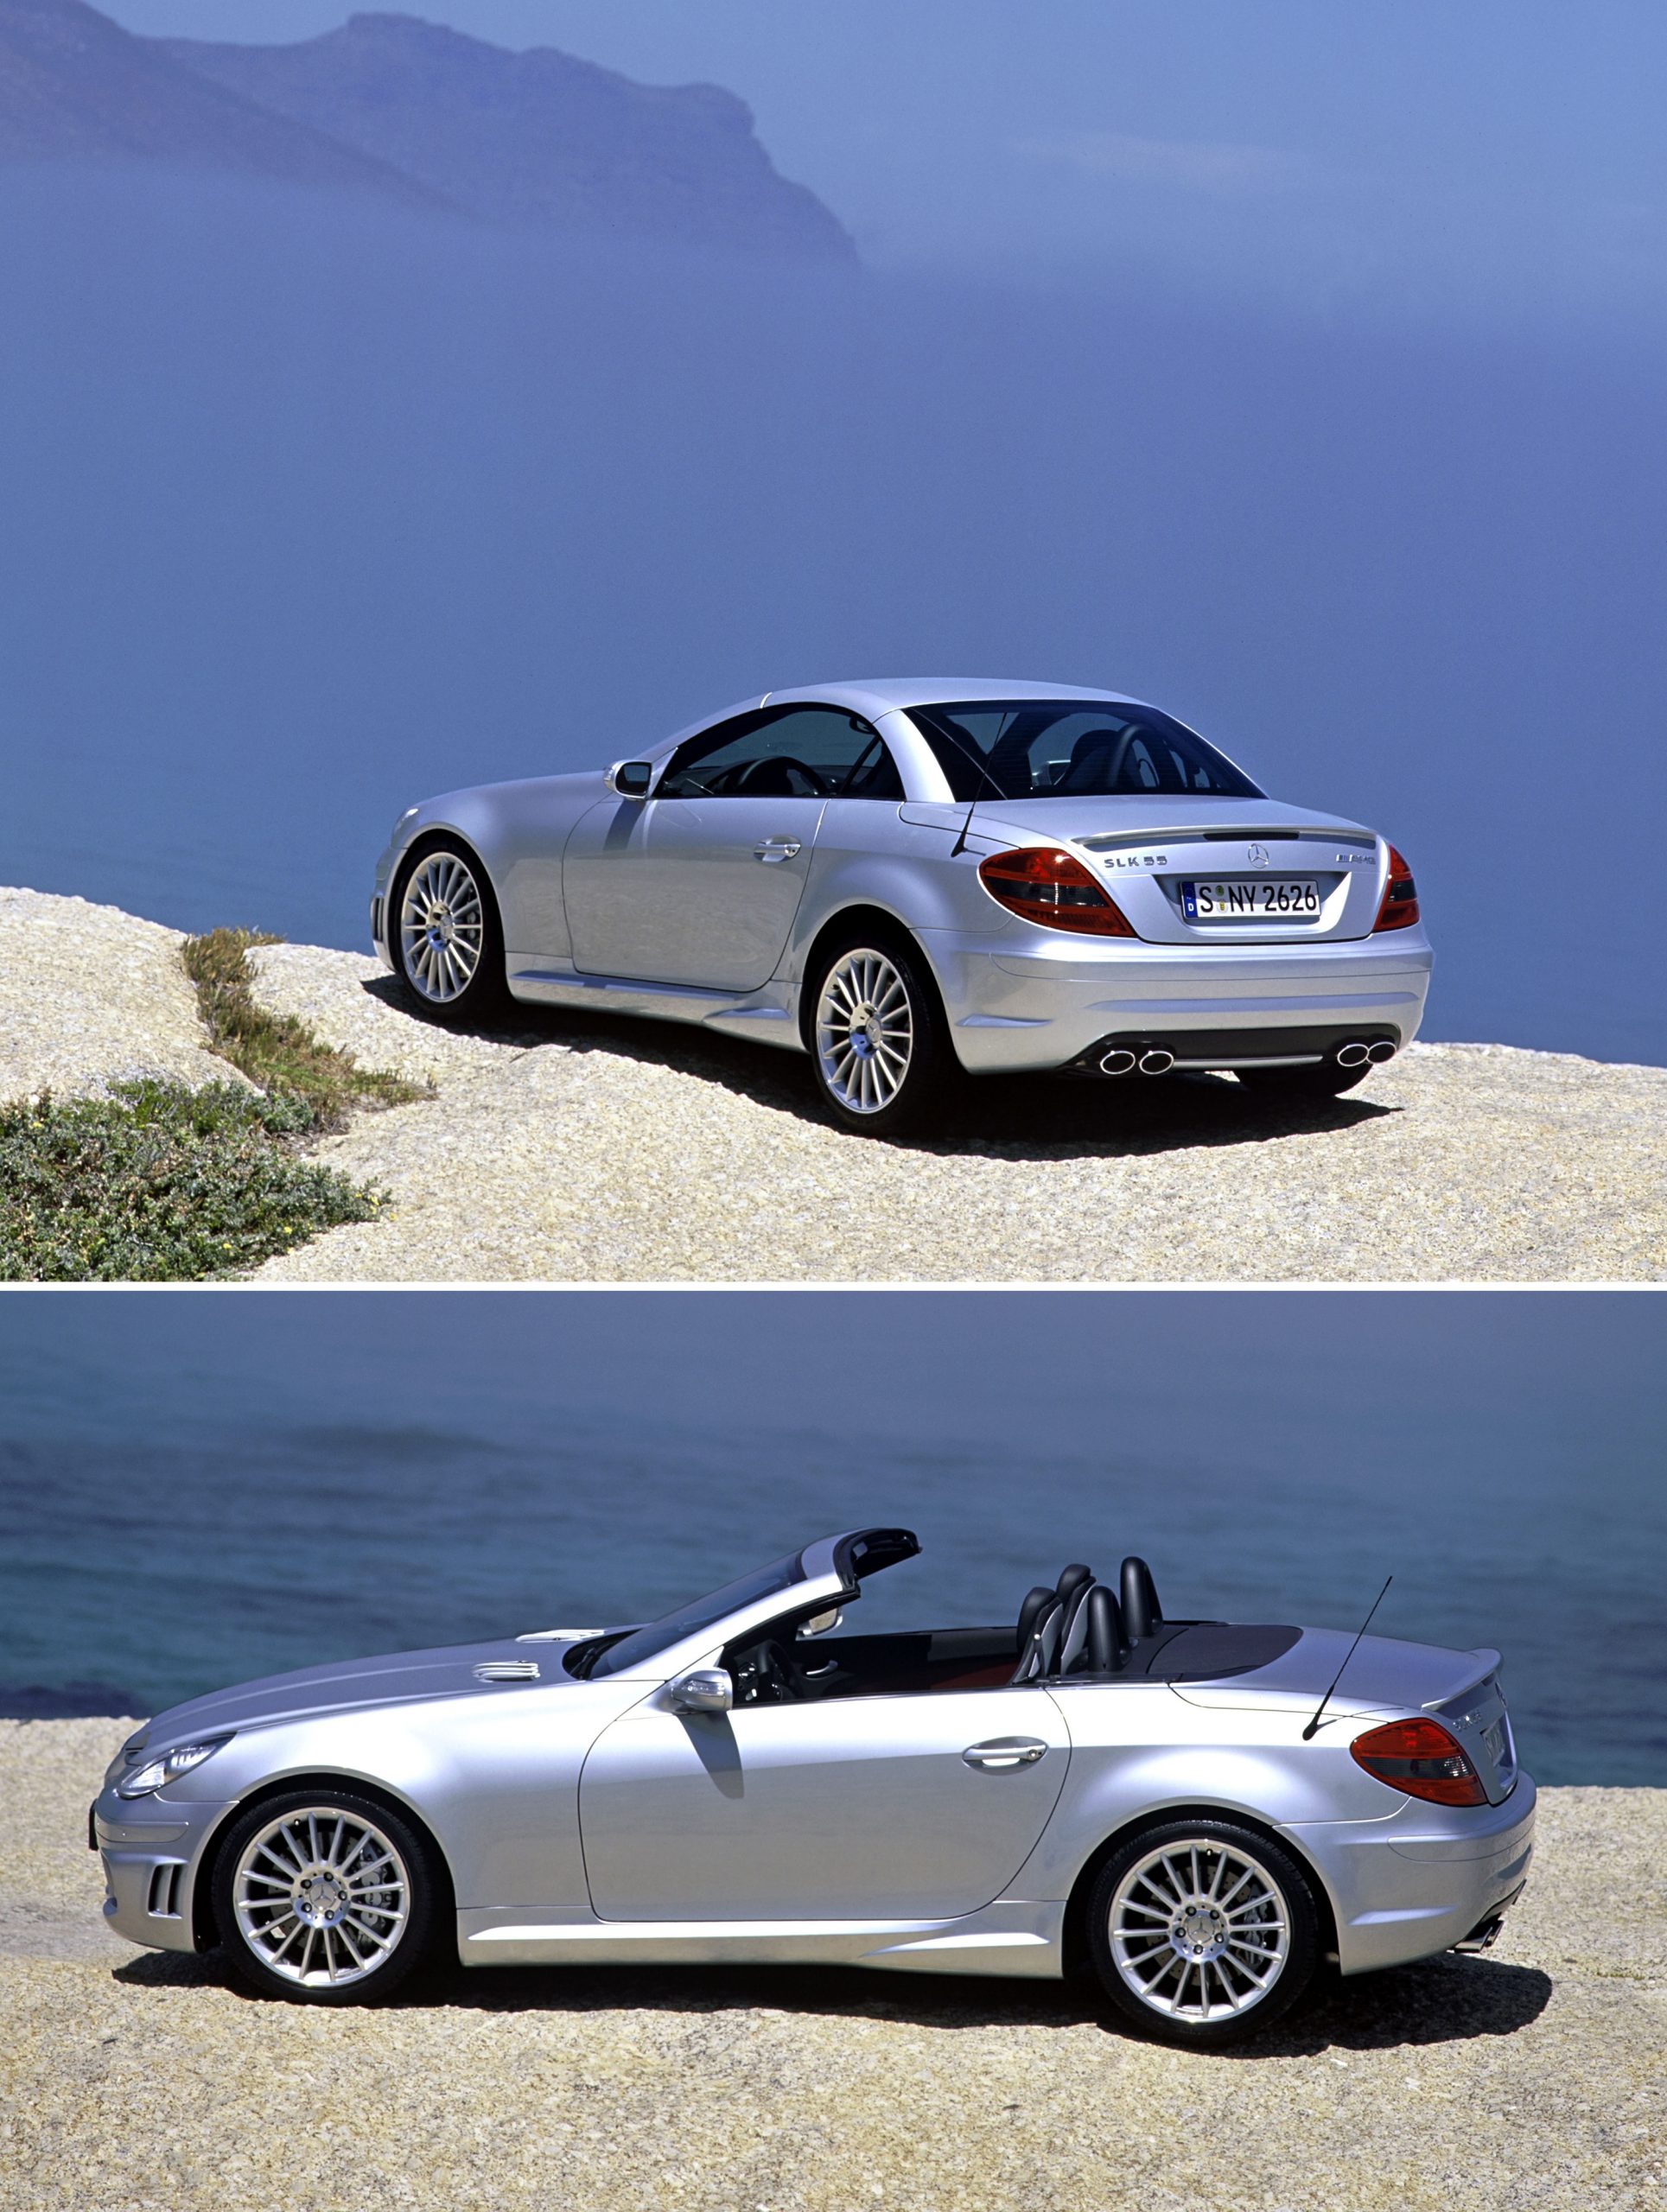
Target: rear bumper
1423, 1882
1037, 1000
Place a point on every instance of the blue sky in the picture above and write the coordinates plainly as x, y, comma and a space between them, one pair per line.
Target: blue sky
1432, 158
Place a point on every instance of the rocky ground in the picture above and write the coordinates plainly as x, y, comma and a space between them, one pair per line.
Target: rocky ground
571, 1150
1529, 2080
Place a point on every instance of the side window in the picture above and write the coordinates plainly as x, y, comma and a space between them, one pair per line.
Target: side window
783, 752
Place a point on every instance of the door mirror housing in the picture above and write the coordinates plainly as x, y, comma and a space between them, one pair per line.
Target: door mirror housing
820, 1623
708, 1689
630, 779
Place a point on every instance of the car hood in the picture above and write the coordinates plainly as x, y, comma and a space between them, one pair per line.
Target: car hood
396, 1678
1159, 816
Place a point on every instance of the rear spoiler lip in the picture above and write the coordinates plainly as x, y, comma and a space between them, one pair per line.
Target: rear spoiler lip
1487, 1661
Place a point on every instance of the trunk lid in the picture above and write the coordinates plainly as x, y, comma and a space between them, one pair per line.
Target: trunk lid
1149, 851
1385, 1677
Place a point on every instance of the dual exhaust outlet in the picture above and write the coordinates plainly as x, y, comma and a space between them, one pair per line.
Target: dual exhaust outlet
1155, 1059
1121, 1060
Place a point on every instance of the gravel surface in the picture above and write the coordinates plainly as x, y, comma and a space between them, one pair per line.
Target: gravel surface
597, 1149
90, 996
609, 1150
1528, 2078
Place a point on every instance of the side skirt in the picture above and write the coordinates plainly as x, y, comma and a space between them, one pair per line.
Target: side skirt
765, 1016
1010, 1937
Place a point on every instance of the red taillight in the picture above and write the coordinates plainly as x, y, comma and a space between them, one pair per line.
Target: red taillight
1053, 889
1421, 1758
1399, 909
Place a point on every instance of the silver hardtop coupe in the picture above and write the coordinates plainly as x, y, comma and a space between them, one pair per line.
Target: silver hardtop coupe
907, 879
1203, 1814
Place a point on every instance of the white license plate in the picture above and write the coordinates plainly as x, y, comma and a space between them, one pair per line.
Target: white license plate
1279, 899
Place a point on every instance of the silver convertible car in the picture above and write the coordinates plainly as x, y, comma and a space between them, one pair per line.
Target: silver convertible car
1200, 1813
906, 880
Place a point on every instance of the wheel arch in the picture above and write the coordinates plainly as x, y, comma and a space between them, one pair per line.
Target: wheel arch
862, 914
1074, 1937
204, 1933
429, 838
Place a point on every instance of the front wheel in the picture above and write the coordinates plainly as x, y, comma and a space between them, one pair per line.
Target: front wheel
445, 938
1202, 1932
323, 1897
875, 1038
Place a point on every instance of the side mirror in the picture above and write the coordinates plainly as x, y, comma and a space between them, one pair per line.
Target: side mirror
708, 1689
630, 779
820, 1624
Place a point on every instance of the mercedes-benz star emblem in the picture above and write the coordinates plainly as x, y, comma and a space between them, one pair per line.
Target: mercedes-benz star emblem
1256, 855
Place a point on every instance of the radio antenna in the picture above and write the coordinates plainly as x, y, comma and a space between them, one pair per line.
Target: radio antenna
967, 754
1309, 1732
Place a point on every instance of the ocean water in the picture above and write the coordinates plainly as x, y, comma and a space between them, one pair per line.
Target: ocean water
311, 513
196, 1488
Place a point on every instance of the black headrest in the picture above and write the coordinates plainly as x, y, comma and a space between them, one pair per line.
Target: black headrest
1073, 1579
1104, 1647
1030, 1611
1142, 1612
1039, 1652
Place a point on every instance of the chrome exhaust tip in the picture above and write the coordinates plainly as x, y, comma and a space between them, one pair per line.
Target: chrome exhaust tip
1119, 1061
1354, 1055
1382, 1051
1156, 1061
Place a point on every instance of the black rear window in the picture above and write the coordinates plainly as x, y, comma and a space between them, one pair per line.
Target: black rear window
1064, 748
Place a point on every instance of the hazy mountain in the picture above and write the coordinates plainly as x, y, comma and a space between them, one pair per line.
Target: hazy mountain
535, 140
76, 87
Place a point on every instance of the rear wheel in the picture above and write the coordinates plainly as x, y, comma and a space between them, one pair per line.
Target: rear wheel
1327, 1080
1202, 1932
444, 934
876, 1038
324, 1897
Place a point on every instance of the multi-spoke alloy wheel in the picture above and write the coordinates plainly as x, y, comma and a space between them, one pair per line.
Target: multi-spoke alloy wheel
442, 928
1203, 1932
864, 1031
1198, 1931
322, 1896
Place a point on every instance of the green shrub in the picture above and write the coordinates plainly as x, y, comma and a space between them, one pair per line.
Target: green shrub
273, 1049
157, 1183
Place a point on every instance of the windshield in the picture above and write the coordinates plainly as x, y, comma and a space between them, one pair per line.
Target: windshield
1063, 748
671, 1628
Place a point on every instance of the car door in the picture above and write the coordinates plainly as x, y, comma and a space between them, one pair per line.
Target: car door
699, 884
905, 1808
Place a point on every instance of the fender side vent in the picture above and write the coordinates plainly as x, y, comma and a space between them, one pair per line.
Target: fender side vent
508, 1670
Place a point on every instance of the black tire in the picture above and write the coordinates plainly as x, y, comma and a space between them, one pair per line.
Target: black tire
401, 1925
479, 934
1144, 1950
899, 1099
1327, 1080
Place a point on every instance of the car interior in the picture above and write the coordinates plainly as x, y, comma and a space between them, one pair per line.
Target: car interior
1078, 1629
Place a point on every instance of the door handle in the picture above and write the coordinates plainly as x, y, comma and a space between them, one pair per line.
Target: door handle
1002, 1753
776, 849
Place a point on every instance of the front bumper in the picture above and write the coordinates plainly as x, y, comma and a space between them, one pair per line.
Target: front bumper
1036, 1000
1406, 1888
152, 1851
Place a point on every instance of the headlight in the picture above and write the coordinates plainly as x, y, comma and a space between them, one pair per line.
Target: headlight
168, 1768
410, 815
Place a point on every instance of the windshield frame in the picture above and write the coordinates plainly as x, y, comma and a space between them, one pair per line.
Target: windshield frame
628, 1649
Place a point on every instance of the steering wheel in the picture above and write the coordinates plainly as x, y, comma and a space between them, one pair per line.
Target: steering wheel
775, 1676
789, 764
